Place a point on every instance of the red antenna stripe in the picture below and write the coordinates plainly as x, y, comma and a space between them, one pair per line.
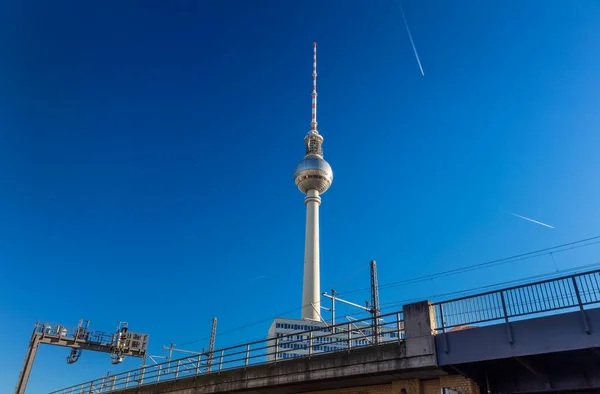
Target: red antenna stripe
313, 123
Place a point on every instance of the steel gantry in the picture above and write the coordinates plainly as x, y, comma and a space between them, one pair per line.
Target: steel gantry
119, 345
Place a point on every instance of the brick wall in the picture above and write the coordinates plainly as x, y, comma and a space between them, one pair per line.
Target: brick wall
460, 383
379, 389
412, 386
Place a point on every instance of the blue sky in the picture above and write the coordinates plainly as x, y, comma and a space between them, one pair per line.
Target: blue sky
147, 151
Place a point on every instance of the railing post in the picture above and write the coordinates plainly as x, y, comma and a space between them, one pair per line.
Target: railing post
221, 360
142, 372
399, 323
177, 370
102, 385
310, 343
276, 348
509, 332
583, 315
127, 380
112, 385
158, 373
443, 328
349, 328
198, 365
247, 354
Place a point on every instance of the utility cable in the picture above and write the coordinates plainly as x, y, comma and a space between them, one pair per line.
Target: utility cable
487, 264
476, 290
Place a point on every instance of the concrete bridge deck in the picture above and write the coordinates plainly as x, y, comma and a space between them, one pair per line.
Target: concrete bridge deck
367, 366
539, 337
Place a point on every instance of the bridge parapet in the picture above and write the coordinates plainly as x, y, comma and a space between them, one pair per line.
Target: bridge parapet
258, 365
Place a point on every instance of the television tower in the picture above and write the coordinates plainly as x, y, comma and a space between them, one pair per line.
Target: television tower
313, 176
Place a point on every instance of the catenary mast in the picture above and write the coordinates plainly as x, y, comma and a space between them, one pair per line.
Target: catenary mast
313, 176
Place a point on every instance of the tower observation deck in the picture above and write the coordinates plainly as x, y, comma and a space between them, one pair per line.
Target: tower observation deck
313, 176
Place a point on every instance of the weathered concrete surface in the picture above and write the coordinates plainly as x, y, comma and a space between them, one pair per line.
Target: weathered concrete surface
371, 365
419, 323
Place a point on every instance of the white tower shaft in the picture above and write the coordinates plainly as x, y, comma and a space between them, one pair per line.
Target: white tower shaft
313, 176
311, 290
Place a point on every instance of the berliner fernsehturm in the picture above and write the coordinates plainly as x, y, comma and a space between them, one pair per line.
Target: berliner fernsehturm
313, 176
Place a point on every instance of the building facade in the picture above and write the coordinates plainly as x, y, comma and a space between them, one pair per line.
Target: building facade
291, 338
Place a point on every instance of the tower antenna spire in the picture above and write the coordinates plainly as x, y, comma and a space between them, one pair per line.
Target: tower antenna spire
313, 123
313, 176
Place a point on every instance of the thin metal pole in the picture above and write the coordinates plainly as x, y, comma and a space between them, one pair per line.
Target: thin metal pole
333, 308
247, 354
158, 374
142, 372
127, 380
399, 325
221, 360
34, 343
509, 332
177, 370
349, 328
276, 348
310, 343
198, 366
583, 315
443, 329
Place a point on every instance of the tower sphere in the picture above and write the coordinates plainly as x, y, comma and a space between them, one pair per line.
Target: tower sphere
313, 172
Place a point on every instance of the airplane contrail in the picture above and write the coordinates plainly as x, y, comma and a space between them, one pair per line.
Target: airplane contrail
411, 39
531, 220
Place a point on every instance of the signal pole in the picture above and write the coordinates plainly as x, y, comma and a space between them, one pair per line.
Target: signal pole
211, 345
375, 302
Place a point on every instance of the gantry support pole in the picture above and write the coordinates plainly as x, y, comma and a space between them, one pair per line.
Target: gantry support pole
34, 343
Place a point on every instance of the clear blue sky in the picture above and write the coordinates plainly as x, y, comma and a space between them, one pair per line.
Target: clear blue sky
147, 151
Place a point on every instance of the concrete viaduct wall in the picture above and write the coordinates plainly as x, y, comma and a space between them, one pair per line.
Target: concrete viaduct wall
413, 358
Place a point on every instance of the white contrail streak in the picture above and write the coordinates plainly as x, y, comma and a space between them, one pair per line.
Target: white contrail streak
531, 220
411, 39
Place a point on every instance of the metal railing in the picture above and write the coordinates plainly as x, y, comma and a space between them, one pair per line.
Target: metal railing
539, 298
297, 344
544, 297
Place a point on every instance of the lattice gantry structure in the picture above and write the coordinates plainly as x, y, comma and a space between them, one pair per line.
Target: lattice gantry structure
119, 345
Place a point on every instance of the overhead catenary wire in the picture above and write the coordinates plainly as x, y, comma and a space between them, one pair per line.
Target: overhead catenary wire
242, 327
352, 275
519, 257
487, 264
476, 290
495, 286
464, 292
